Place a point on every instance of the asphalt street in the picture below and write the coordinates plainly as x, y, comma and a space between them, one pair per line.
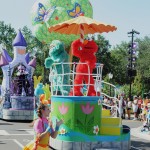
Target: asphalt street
14, 135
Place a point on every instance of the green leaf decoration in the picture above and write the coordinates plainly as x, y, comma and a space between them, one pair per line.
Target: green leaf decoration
59, 117
79, 122
91, 121
68, 123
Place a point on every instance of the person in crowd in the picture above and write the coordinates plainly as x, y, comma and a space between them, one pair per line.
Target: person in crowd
124, 103
129, 107
43, 129
135, 107
146, 101
144, 112
140, 102
105, 101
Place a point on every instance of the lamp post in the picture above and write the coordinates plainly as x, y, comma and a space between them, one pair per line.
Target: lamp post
110, 76
131, 71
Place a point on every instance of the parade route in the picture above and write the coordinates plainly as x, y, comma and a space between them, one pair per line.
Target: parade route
16, 135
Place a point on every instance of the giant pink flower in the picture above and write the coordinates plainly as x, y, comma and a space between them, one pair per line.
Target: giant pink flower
87, 109
63, 109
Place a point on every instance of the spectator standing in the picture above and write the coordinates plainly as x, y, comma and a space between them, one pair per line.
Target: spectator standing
135, 107
105, 101
124, 103
140, 102
129, 107
146, 101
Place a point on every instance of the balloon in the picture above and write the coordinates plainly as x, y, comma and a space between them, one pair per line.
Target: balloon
46, 13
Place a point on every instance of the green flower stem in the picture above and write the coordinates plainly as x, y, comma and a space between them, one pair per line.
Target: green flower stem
85, 119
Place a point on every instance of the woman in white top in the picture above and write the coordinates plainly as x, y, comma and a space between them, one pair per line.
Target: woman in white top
129, 106
135, 107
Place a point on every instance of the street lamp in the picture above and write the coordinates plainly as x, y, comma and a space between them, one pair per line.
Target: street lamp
110, 76
132, 58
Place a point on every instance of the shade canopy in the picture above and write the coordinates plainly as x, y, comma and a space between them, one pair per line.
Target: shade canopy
73, 26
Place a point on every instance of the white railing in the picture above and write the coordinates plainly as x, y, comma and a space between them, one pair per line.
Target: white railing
117, 107
57, 77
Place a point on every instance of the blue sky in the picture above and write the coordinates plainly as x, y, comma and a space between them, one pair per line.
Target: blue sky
124, 14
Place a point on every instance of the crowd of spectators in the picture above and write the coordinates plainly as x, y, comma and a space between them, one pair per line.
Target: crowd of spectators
138, 106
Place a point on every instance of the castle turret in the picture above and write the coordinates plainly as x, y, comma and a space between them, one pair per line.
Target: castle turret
3, 61
32, 63
19, 45
6, 55
27, 57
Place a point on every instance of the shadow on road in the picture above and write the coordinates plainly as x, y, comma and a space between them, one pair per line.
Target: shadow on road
139, 145
1, 142
6, 124
16, 121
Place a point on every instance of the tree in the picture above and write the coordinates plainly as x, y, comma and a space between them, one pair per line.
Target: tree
137, 85
119, 57
143, 62
103, 54
7, 35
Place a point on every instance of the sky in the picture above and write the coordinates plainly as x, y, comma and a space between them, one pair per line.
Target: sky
124, 14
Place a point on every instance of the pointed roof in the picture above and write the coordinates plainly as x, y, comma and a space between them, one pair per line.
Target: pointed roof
32, 63
19, 40
6, 55
3, 61
27, 57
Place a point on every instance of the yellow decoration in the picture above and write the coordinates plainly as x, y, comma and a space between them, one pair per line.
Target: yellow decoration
36, 80
47, 91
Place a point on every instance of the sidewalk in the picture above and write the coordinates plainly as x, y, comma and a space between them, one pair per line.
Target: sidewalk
137, 133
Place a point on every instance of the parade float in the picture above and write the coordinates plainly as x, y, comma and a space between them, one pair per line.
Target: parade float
76, 98
76, 95
17, 89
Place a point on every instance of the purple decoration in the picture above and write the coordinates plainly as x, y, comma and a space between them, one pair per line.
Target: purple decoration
19, 40
27, 57
6, 55
32, 63
3, 61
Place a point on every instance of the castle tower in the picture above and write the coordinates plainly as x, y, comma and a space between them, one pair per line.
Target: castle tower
19, 45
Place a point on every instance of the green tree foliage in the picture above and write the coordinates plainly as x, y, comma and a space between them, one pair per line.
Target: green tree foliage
119, 61
143, 62
137, 85
103, 54
7, 34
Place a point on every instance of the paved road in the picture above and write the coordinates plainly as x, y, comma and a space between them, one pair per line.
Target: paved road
139, 141
14, 135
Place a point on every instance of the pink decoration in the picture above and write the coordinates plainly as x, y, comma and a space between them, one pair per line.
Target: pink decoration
87, 109
63, 109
